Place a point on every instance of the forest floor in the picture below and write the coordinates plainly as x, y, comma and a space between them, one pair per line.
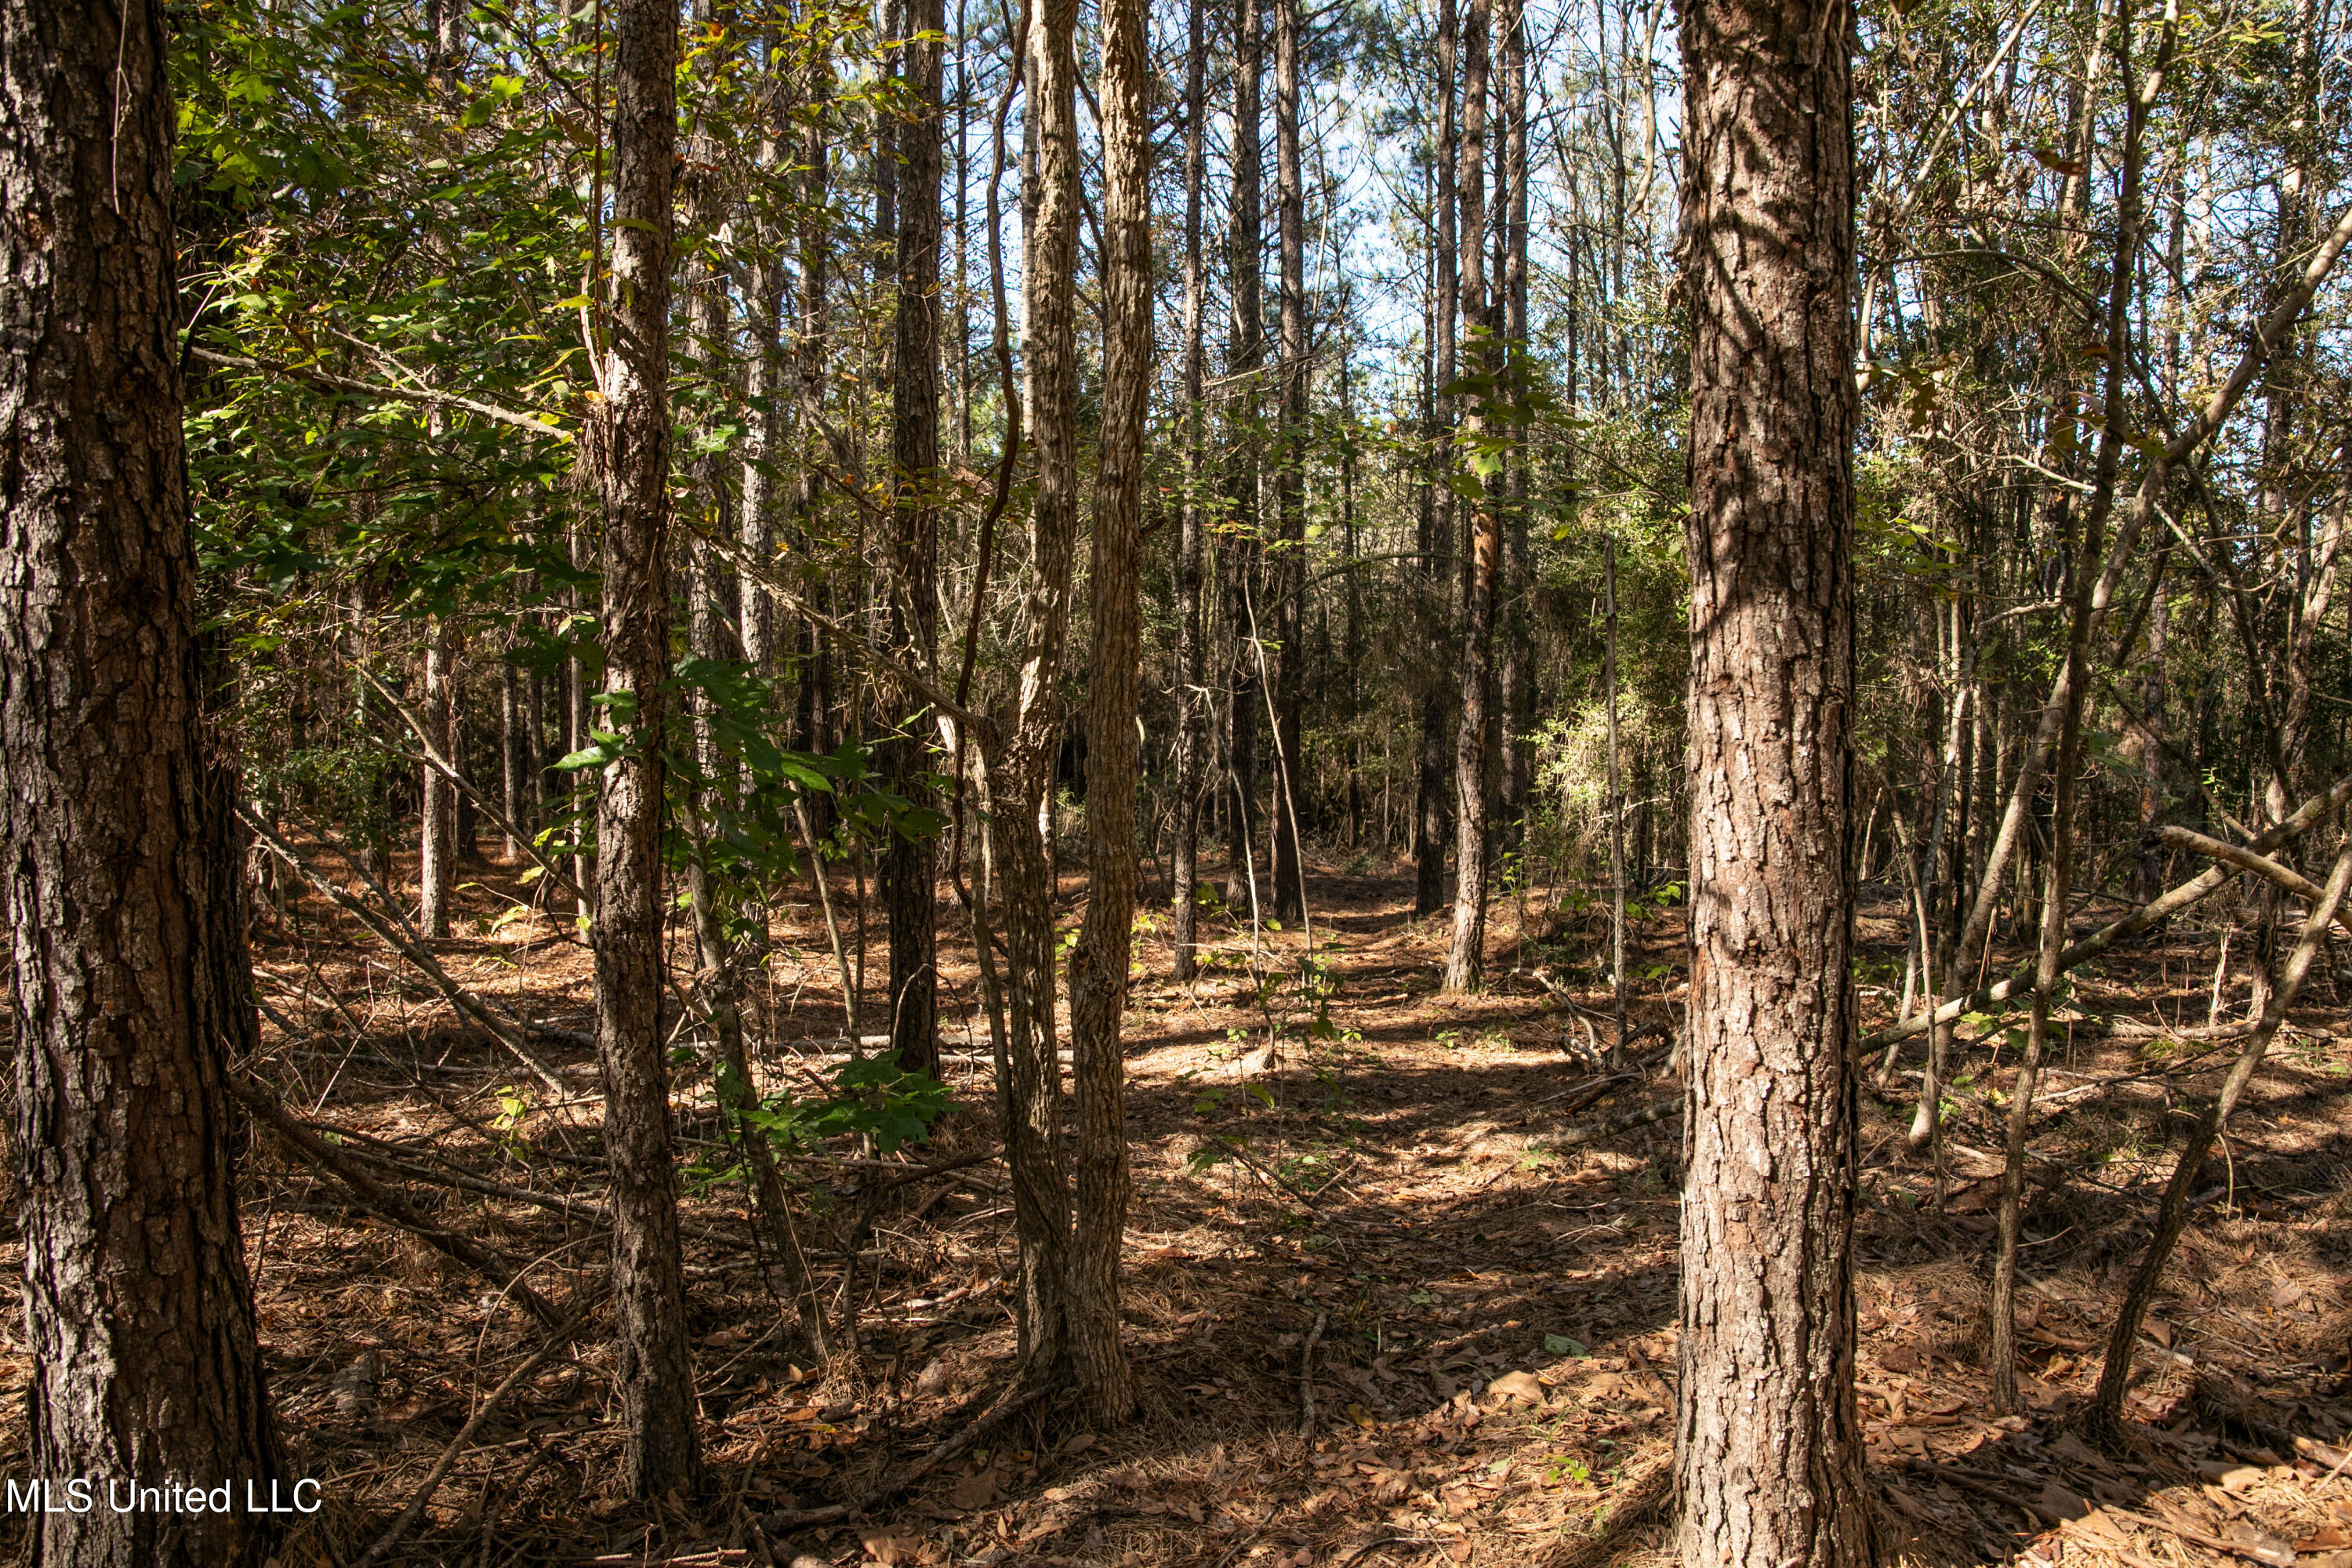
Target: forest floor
1394, 1296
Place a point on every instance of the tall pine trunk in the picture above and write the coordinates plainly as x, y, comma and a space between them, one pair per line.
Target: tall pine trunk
1515, 685
1768, 1444
1437, 537
1244, 360
1030, 1082
1465, 959
907, 875
630, 454
1290, 474
121, 887
1191, 676
1099, 965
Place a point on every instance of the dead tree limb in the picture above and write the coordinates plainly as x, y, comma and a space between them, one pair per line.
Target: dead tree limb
306, 1141
412, 948
482, 802
1021, 1398
2147, 917
2105, 1414
433, 1479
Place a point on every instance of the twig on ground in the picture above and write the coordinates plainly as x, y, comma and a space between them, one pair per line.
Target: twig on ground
432, 1477
1367, 1548
1307, 1376
996, 1416
306, 1141
1246, 1158
414, 951
1608, 1126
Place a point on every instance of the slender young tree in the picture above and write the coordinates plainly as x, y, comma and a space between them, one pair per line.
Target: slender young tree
1768, 1443
908, 877
2105, 1415
118, 881
2085, 553
436, 857
1099, 965
1192, 675
765, 443
1437, 541
812, 346
629, 451
514, 764
1515, 696
1290, 474
1466, 960
1245, 364
1018, 774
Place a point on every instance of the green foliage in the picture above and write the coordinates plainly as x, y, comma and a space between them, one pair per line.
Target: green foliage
872, 1097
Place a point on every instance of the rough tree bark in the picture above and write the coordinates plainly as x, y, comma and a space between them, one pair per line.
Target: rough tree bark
1437, 541
1192, 676
118, 880
908, 877
1099, 965
1244, 360
629, 447
436, 854
1768, 1446
1515, 694
1029, 1082
1466, 960
1290, 474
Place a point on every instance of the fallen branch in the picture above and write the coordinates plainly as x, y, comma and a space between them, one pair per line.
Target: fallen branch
2277, 1556
482, 802
414, 951
1307, 1376
432, 1477
1586, 1094
908, 1177
1002, 1412
1367, 1548
1608, 1126
1244, 1155
1971, 1480
2147, 917
374, 1194
466, 1181
328, 380
2245, 859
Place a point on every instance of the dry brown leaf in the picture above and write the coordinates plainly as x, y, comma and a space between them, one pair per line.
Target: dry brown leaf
2258, 1543
1518, 1385
892, 1548
2057, 1502
2096, 1529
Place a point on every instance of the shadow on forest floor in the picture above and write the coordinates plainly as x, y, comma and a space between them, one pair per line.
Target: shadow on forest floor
1400, 1228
